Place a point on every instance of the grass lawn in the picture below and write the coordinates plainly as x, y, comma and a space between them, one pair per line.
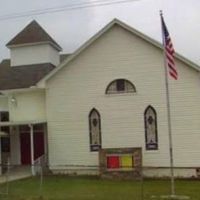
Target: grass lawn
86, 188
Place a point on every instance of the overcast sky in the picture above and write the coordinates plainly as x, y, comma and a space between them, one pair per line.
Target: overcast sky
71, 28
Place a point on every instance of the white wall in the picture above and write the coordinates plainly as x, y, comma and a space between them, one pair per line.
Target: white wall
34, 54
28, 106
3, 103
15, 153
77, 88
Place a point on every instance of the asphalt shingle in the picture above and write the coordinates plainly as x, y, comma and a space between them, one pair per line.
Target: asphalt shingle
22, 76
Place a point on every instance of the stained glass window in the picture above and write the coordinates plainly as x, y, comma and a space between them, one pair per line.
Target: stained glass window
120, 86
95, 130
151, 137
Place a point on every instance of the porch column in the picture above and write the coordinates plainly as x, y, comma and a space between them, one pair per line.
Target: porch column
32, 149
45, 141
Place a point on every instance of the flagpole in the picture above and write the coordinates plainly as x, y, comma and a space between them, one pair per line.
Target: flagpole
169, 120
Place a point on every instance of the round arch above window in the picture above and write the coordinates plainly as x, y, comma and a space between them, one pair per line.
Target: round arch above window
120, 86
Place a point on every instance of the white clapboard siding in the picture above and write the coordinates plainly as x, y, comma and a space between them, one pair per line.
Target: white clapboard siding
34, 54
3, 103
80, 86
28, 106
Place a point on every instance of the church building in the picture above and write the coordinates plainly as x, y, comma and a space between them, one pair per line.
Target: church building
102, 106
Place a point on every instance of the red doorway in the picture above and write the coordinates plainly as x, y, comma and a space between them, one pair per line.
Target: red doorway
25, 148
25, 145
38, 139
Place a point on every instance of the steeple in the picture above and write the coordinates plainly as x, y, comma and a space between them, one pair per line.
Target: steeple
32, 33
33, 45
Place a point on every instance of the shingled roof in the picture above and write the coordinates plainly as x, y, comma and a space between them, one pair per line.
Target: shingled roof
32, 33
22, 76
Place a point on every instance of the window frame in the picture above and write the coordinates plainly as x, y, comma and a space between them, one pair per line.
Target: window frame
5, 141
120, 91
147, 146
94, 148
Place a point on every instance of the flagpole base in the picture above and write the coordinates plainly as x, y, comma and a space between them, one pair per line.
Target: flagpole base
175, 197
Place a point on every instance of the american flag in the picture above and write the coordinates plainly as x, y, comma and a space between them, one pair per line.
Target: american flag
169, 51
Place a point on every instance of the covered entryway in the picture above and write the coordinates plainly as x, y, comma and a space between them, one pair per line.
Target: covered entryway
28, 143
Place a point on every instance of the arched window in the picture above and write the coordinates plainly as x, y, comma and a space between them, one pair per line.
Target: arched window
151, 136
95, 130
120, 86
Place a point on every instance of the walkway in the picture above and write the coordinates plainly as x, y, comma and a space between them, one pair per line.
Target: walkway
16, 173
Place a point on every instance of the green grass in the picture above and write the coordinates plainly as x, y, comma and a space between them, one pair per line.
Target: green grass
88, 188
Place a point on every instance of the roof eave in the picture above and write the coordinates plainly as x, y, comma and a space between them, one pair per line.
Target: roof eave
102, 31
157, 44
57, 47
19, 90
18, 123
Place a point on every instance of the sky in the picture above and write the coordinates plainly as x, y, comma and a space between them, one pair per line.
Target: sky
71, 28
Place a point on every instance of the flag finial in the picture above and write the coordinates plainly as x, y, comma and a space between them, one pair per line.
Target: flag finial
161, 13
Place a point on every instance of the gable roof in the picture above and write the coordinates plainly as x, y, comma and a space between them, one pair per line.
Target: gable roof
64, 56
105, 29
33, 33
22, 76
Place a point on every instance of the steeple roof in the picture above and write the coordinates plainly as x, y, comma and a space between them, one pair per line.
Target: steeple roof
33, 33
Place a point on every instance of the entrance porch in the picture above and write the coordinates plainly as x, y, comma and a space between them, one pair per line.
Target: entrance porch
26, 145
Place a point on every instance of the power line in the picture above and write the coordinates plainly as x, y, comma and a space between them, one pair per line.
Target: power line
96, 3
58, 7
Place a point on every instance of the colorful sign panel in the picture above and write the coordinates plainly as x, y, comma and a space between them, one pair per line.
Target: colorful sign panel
120, 161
